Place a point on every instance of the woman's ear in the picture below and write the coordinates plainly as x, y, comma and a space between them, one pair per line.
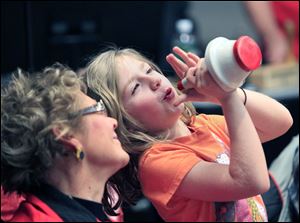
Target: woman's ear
68, 139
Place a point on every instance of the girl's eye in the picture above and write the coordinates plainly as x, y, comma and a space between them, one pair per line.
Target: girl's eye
150, 69
134, 89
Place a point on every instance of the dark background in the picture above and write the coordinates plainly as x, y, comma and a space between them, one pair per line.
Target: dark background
35, 34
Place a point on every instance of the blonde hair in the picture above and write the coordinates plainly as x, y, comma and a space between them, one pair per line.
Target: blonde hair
102, 78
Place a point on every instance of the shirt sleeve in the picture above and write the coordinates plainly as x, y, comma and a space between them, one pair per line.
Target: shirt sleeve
217, 121
162, 169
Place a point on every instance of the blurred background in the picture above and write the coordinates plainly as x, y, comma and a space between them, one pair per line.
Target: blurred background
35, 34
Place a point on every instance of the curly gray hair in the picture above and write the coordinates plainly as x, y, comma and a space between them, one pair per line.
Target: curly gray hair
31, 105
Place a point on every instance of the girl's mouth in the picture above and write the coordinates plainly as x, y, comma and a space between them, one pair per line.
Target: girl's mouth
168, 94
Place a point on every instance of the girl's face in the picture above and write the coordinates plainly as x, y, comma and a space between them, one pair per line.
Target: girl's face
147, 95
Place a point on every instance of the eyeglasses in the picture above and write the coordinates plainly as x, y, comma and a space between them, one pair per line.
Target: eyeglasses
98, 107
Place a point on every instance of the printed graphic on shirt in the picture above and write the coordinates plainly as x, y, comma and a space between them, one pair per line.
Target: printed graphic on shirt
222, 158
245, 210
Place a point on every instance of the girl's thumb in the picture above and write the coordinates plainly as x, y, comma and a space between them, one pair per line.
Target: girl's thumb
180, 99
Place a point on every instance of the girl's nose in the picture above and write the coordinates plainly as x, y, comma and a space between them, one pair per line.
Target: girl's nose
155, 83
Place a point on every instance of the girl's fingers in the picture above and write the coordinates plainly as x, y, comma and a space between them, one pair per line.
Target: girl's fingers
180, 67
171, 60
189, 62
179, 62
177, 70
189, 80
177, 65
194, 57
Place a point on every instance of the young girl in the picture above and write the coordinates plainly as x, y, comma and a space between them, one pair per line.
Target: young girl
191, 167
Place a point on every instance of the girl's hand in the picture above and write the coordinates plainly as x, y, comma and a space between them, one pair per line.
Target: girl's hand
180, 67
204, 88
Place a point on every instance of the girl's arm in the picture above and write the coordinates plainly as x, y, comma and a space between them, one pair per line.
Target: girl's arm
247, 173
270, 118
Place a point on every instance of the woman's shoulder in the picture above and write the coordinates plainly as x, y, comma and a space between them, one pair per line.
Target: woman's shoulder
15, 207
10, 203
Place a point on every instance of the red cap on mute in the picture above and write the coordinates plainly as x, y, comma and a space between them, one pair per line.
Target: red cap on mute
247, 53
180, 85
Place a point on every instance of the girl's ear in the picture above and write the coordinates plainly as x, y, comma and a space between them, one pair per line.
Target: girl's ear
68, 139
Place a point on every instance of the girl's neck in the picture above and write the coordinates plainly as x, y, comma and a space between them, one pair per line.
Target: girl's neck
180, 129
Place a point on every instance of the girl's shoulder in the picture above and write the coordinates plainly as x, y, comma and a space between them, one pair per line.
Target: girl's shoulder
204, 119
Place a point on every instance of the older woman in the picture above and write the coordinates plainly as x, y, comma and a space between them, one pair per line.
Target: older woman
59, 150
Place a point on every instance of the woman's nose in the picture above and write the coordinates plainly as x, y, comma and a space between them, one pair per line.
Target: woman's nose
115, 123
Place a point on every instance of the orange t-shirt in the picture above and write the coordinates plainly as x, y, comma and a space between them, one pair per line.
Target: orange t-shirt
164, 165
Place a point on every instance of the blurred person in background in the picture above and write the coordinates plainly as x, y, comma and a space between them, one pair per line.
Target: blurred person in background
278, 24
